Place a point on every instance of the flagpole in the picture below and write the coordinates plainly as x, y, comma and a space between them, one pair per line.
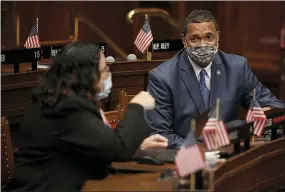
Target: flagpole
37, 22
254, 96
218, 109
217, 118
76, 20
147, 51
18, 30
193, 176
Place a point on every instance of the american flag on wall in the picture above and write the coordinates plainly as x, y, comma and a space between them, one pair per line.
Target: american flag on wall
144, 38
189, 158
215, 133
33, 39
256, 115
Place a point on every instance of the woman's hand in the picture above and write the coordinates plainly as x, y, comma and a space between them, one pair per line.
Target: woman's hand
154, 141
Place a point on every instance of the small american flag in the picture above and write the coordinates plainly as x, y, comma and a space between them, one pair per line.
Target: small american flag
189, 158
256, 115
144, 38
33, 39
215, 133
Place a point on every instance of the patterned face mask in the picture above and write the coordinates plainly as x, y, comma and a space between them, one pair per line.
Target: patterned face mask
202, 55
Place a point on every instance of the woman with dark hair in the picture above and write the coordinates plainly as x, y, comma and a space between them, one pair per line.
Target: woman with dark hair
63, 139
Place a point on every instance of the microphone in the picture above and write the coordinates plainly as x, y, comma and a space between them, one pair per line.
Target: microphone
110, 59
132, 57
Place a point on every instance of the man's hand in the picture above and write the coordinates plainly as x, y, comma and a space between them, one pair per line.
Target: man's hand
154, 141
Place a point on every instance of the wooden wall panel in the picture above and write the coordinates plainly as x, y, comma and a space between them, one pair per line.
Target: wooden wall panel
252, 29
243, 24
53, 21
266, 20
250, 26
282, 76
53, 25
7, 32
111, 18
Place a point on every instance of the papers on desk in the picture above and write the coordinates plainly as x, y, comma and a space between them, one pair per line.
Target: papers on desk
43, 66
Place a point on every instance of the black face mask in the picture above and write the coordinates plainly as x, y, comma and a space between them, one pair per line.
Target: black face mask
202, 55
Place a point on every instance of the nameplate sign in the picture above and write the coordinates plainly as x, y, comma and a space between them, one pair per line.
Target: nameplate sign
20, 55
103, 47
50, 52
167, 45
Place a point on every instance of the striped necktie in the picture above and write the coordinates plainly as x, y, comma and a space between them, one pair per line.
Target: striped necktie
203, 88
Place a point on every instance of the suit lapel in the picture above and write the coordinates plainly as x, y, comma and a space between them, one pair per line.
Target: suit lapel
217, 80
190, 80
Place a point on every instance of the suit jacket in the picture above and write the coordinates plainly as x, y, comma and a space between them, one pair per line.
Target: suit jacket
62, 147
175, 88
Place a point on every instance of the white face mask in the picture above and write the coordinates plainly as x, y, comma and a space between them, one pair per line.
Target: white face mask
107, 89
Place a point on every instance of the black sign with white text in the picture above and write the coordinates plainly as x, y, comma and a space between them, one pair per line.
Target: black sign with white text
167, 45
20, 55
103, 47
49, 52
23, 55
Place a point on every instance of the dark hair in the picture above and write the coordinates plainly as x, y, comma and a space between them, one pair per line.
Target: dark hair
75, 68
199, 16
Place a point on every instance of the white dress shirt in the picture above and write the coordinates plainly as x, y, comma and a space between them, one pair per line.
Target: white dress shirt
197, 70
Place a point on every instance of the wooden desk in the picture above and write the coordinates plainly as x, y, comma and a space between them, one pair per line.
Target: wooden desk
129, 182
258, 169
132, 165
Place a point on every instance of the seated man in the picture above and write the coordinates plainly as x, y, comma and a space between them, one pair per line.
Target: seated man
191, 81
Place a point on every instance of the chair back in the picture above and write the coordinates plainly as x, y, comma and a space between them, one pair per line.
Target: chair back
124, 100
113, 117
7, 156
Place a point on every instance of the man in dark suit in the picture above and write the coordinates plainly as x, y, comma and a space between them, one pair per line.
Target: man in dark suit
191, 81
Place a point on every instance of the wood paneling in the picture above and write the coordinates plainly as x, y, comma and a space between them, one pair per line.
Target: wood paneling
252, 29
282, 76
266, 66
245, 25
54, 21
111, 18
17, 88
258, 169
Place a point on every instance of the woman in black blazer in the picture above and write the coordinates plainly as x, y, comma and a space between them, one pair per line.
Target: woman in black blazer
63, 139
